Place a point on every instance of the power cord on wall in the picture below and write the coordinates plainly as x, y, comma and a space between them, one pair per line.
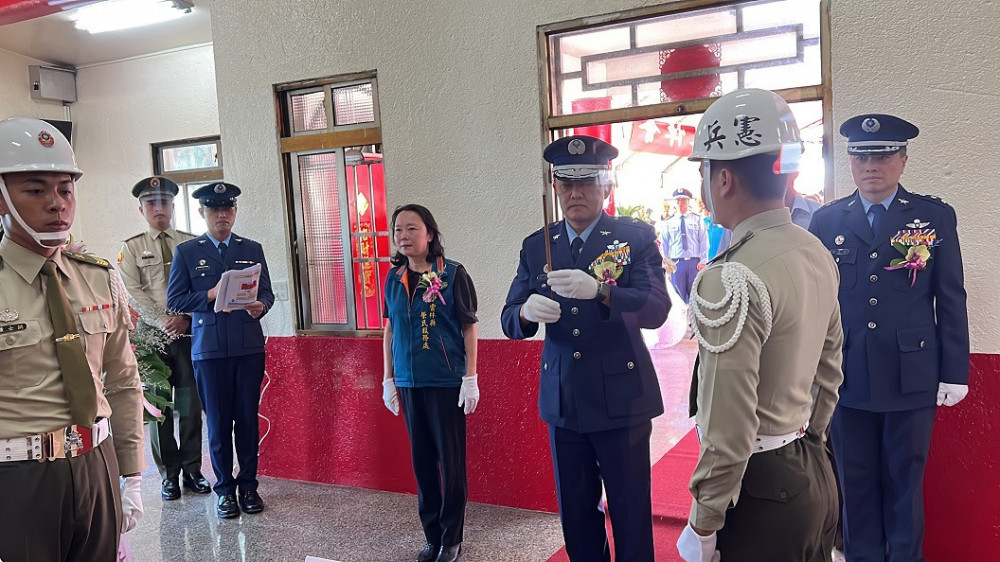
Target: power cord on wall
267, 383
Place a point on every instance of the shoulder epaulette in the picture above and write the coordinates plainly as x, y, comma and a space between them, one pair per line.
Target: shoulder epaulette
930, 198
88, 258
540, 230
186, 233
134, 237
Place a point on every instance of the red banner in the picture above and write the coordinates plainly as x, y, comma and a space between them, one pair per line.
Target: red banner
662, 138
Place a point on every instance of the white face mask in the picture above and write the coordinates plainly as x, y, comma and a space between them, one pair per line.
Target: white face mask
46, 240
706, 189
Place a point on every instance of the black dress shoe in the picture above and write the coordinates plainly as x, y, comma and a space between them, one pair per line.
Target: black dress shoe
250, 502
450, 553
227, 508
429, 553
169, 490
196, 483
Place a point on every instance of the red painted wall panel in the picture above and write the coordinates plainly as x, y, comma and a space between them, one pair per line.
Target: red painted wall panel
962, 482
328, 423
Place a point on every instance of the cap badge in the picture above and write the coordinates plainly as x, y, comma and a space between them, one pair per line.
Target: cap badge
219, 188
154, 183
870, 125
839, 239
45, 139
576, 146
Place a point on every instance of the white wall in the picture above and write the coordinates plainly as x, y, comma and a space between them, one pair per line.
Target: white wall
123, 107
15, 92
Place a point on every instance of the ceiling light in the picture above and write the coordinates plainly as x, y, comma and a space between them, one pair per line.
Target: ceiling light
113, 15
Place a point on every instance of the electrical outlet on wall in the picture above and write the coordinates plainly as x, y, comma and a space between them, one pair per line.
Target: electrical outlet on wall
280, 289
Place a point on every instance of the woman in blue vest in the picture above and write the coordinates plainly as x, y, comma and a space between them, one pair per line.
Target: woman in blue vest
430, 368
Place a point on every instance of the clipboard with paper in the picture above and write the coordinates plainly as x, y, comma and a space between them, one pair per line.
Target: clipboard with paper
237, 288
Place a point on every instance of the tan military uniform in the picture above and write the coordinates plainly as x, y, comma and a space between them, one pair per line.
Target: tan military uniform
32, 397
766, 384
141, 265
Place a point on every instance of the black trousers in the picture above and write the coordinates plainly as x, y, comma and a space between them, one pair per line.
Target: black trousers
787, 509
65, 510
619, 458
230, 392
170, 458
436, 426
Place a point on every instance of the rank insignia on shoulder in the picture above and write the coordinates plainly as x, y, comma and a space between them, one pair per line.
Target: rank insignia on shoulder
87, 258
605, 233
555, 237
13, 328
904, 201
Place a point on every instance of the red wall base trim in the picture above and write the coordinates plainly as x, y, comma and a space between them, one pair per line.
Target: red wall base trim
962, 482
328, 423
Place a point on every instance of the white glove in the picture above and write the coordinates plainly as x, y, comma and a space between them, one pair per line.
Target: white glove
540, 309
573, 284
389, 396
950, 394
468, 396
695, 548
131, 502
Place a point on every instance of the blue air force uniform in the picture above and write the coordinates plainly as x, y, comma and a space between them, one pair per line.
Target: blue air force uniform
598, 389
902, 337
227, 347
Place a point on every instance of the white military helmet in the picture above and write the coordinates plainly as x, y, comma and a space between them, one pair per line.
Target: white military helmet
32, 145
748, 122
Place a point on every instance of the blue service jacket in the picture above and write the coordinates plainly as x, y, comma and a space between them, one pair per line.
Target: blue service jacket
197, 267
596, 373
899, 340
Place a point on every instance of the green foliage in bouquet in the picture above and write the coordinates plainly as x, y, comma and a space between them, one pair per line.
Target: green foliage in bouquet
148, 341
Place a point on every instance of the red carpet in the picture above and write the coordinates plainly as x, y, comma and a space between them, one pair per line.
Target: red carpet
671, 499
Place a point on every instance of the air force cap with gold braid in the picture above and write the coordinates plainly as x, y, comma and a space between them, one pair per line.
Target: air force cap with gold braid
877, 133
579, 157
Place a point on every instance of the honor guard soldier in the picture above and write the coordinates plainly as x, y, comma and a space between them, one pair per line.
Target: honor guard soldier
227, 347
766, 317
144, 263
906, 328
598, 389
67, 372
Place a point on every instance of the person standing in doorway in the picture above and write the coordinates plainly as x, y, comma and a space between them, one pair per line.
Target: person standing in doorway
685, 242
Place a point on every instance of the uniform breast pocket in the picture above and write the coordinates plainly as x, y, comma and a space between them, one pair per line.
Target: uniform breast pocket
845, 259
96, 325
15, 350
548, 392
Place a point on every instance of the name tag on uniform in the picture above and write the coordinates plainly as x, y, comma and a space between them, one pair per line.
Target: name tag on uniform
201, 267
840, 252
13, 328
246, 262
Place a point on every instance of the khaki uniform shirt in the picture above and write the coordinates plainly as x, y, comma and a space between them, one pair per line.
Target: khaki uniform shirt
141, 265
765, 385
32, 395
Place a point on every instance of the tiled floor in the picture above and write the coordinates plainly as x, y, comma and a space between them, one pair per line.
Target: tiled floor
352, 524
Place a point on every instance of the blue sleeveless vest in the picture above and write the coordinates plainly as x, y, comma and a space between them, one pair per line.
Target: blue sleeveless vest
428, 349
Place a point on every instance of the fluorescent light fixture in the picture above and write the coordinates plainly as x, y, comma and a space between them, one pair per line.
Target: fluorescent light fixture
113, 15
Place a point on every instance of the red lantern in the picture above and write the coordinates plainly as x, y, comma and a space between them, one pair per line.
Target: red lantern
693, 57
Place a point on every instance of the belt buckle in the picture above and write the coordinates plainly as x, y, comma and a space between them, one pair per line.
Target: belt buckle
74, 442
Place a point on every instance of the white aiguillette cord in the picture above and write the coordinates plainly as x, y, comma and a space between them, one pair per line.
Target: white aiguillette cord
736, 280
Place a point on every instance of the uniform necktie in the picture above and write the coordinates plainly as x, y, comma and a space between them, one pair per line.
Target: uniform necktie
77, 378
166, 254
576, 247
222, 250
684, 234
877, 212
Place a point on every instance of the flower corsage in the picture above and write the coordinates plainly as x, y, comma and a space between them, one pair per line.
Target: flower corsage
434, 284
607, 271
915, 259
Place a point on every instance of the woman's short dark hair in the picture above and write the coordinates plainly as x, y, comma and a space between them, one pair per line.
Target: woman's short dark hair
757, 173
435, 249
